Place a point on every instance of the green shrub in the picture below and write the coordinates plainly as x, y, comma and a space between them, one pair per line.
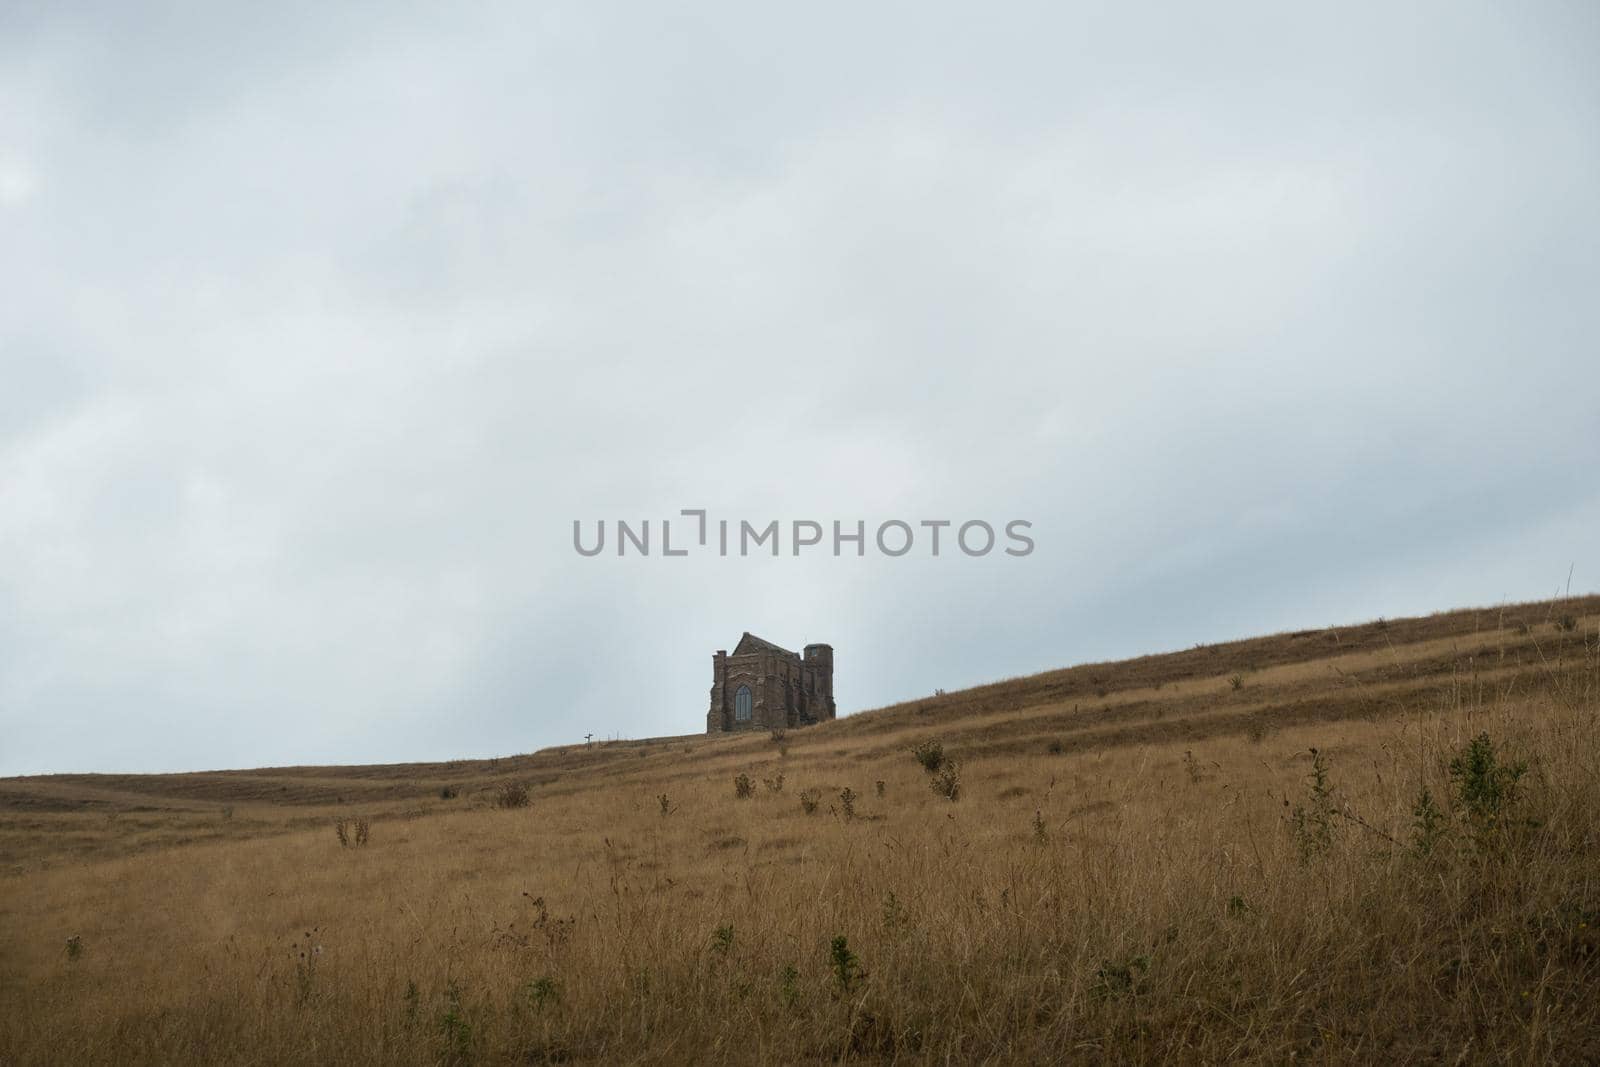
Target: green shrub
542, 991
454, 1027
846, 966
789, 984
1485, 785
1312, 821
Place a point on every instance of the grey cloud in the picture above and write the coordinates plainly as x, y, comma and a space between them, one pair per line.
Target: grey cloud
322, 328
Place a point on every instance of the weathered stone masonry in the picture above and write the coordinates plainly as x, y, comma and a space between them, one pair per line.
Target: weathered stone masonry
762, 687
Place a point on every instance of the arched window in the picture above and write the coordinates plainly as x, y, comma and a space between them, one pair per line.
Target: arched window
741, 704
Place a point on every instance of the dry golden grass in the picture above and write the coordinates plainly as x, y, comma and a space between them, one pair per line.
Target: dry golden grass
1120, 880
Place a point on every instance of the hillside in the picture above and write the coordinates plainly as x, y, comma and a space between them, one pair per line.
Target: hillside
1138, 864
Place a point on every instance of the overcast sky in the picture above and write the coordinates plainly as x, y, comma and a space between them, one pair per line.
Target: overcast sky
320, 326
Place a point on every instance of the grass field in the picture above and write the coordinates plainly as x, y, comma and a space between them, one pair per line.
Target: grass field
1143, 861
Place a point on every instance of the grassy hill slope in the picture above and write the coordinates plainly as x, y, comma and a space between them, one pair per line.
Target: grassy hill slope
1143, 860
